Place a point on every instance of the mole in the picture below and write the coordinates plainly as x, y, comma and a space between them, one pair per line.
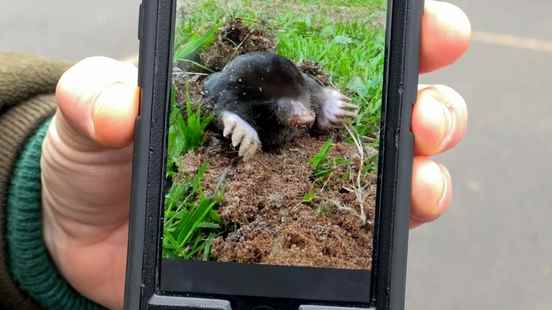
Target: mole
262, 101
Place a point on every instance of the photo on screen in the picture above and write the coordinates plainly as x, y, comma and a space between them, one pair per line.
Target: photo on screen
273, 132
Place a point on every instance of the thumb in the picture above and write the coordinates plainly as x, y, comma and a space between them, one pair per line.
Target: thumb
98, 99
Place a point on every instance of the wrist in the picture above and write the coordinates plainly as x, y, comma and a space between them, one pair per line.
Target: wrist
94, 269
30, 263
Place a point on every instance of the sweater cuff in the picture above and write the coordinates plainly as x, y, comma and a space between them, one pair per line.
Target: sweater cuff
28, 258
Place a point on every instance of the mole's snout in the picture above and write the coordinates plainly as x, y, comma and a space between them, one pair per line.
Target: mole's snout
295, 114
305, 119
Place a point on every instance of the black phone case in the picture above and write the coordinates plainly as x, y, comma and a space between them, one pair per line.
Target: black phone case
396, 149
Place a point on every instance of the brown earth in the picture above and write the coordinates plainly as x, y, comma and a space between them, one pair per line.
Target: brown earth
313, 69
236, 39
268, 219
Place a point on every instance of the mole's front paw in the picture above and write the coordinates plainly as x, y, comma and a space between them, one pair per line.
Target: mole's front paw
335, 110
242, 134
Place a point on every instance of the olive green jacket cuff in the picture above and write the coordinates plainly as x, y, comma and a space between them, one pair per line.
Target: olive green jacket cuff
26, 101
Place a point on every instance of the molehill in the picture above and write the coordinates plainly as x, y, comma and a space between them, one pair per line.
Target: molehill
275, 211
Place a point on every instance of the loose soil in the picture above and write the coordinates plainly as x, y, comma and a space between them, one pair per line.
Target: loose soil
266, 215
313, 69
236, 39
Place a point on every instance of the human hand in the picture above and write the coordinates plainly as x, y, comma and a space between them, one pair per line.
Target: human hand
440, 115
87, 154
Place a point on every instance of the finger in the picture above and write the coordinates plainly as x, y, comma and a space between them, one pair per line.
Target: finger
98, 98
446, 33
431, 191
439, 120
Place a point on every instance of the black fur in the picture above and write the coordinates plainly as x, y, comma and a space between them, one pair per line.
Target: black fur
252, 84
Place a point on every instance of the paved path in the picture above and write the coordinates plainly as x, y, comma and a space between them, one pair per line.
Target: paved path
70, 29
493, 250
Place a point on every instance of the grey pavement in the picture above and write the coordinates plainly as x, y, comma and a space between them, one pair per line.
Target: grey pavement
70, 29
493, 250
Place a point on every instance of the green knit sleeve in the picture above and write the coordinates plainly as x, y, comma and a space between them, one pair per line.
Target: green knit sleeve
29, 261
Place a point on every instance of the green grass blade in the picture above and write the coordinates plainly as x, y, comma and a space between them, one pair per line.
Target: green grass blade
194, 43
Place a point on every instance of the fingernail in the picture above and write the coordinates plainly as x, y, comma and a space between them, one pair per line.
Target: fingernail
445, 192
114, 111
450, 120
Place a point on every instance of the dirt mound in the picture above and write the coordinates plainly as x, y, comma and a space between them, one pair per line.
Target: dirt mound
270, 218
298, 236
313, 69
235, 39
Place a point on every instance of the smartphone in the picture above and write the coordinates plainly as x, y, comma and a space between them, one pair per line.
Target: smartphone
273, 154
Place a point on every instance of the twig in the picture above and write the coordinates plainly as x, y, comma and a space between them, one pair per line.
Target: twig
236, 49
326, 182
359, 190
221, 180
197, 64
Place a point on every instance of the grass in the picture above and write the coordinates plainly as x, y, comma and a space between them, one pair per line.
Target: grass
190, 43
350, 53
186, 131
324, 167
320, 164
191, 219
345, 37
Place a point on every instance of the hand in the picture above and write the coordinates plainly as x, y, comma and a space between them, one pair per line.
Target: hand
87, 155
440, 115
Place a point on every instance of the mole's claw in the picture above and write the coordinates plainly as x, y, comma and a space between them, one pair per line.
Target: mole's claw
346, 114
243, 134
229, 123
345, 99
227, 131
336, 110
351, 106
250, 151
245, 145
237, 136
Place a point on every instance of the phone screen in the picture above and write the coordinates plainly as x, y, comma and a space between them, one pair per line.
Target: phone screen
273, 139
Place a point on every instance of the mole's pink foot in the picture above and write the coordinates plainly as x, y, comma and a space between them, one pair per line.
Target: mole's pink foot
336, 110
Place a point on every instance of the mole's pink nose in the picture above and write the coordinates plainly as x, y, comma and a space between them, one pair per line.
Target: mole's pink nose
305, 119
